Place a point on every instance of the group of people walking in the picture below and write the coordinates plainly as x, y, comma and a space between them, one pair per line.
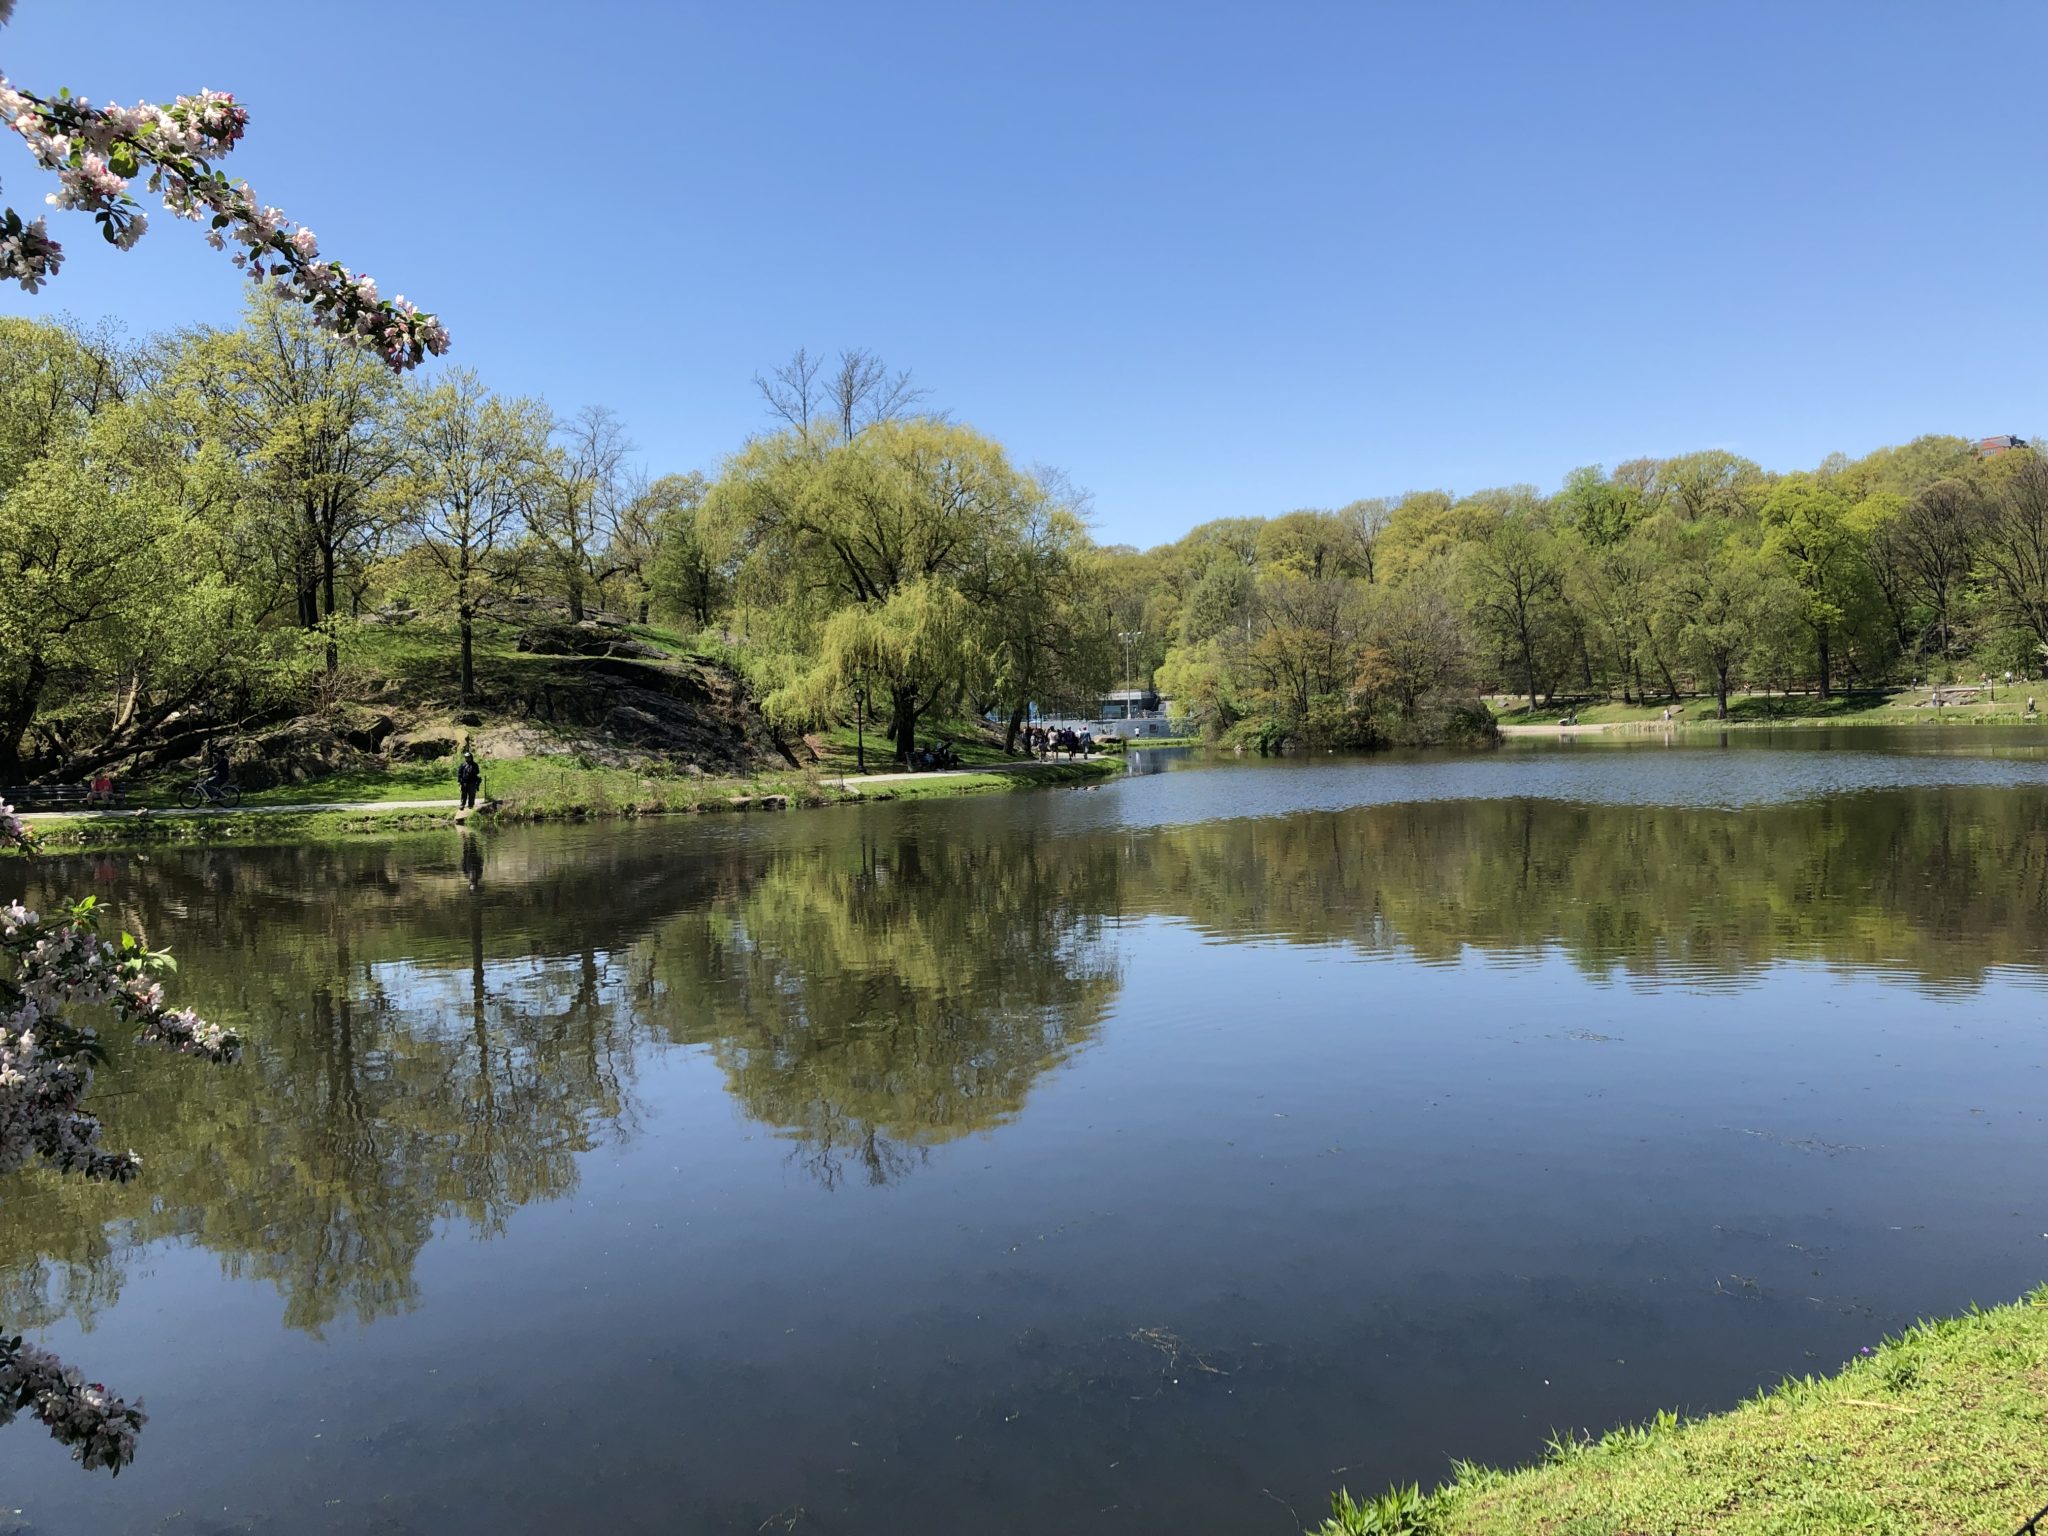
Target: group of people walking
1044, 743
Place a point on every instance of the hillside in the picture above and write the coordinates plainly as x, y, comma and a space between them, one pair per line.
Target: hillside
602, 691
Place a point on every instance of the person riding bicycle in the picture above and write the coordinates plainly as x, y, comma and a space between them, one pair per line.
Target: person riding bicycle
217, 772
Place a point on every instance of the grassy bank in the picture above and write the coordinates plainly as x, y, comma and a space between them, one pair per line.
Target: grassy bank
1905, 706
1940, 1430
528, 790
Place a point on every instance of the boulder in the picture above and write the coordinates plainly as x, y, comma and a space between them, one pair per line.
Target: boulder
585, 639
425, 749
293, 753
370, 737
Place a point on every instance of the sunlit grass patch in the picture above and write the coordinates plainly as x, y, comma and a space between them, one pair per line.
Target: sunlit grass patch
1936, 1432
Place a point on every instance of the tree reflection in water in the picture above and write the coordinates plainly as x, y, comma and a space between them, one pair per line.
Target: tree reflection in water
438, 1030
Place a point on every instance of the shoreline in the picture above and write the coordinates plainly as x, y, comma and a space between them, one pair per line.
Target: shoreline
1937, 1429
1947, 721
327, 820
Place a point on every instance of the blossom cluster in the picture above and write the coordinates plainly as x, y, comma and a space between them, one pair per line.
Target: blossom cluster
49, 965
98, 152
46, 1059
98, 1426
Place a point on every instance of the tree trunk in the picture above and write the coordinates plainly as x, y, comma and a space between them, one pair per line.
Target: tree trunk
1822, 637
903, 722
1720, 693
327, 591
1010, 735
468, 627
19, 715
1670, 684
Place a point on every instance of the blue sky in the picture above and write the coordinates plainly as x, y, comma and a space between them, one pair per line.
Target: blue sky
1210, 259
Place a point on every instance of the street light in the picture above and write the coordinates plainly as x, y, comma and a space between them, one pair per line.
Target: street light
1129, 638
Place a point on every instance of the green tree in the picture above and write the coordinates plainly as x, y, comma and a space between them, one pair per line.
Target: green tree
472, 461
306, 428
1716, 591
1602, 511
1516, 582
684, 578
1713, 483
894, 534
2013, 551
1811, 532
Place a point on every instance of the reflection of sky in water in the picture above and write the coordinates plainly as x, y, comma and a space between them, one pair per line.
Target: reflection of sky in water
1621, 771
1070, 1162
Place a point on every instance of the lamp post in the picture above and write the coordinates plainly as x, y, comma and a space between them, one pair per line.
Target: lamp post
1129, 638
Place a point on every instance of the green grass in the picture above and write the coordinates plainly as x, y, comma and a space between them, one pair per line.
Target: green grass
969, 740
530, 789
1893, 707
1938, 1432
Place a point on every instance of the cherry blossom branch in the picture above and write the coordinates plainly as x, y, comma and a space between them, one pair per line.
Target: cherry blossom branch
98, 152
48, 965
99, 1427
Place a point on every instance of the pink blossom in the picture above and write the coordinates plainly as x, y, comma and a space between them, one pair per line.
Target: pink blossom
97, 151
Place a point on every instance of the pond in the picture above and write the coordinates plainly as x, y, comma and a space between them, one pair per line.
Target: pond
1150, 1157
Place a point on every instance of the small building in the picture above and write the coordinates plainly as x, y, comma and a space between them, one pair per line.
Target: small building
1992, 447
1125, 712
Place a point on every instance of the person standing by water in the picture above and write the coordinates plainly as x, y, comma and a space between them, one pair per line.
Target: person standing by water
469, 778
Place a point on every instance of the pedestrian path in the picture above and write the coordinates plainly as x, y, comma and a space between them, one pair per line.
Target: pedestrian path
857, 780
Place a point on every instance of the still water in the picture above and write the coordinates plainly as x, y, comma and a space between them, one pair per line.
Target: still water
1150, 1157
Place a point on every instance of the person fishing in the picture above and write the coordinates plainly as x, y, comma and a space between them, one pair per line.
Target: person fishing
469, 778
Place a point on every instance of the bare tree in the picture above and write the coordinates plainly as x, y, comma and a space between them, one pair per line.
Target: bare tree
859, 392
792, 391
581, 499
864, 391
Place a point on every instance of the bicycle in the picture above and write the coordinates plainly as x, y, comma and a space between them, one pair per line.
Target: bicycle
205, 793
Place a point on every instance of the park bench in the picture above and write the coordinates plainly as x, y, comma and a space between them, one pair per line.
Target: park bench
58, 797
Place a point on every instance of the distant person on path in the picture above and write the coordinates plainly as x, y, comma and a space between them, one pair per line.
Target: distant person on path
102, 789
469, 778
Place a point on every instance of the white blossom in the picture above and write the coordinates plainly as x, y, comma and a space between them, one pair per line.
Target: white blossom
49, 965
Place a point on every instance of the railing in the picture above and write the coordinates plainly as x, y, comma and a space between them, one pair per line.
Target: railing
2034, 1526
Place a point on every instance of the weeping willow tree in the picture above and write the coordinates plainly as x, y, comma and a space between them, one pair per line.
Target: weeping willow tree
916, 648
881, 564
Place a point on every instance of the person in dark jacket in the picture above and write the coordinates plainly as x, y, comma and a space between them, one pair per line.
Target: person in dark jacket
469, 778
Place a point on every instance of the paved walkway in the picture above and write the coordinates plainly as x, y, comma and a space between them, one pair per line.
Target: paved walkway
857, 780
1593, 729
248, 810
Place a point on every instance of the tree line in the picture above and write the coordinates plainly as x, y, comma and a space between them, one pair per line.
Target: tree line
209, 529
1698, 574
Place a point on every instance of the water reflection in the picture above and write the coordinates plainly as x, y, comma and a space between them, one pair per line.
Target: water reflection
443, 1030
871, 996
435, 1042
